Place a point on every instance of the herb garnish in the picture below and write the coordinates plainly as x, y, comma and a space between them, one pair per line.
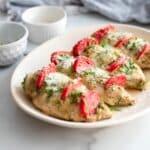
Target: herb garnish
23, 82
114, 108
132, 46
65, 56
103, 43
140, 84
116, 54
50, 89
74, 96
128, 67
49, 92
88, 72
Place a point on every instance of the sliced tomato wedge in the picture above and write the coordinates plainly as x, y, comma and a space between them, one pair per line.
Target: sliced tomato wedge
54, 56
143, 51
122, 41
115, 65
89, 102
116, 80
83, 63
81, 45
99, 34
67, 90
43, 73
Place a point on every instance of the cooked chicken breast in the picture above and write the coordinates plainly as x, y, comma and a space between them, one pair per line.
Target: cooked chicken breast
128, 43
108, 58
49, 98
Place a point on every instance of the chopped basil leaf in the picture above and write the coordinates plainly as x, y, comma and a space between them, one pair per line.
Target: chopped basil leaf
91, 46
116, 54
128, 67
49, 92
65, 56
23, 82
58, 102
74, 96
50, 89
88, 72
103, 43
114, 108
132, 46
140, 84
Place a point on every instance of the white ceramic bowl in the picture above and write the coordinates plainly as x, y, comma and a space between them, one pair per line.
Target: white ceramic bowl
13, 40
44, 22
42, 53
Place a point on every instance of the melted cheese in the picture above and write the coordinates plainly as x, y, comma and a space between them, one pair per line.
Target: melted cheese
66, 63
55, 81
113, 37
99, 72
103, 56
136, 44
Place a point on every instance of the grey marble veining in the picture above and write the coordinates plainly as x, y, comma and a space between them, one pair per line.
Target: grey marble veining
19, 131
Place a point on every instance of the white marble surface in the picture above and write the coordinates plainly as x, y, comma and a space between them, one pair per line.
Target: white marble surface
18, 131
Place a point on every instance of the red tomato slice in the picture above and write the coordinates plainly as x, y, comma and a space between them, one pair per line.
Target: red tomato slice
67, 90
103, 31
143, 51
116, 80
43, 73
82, 63
54, 56
114, 65
81, 45
122, 41
89, 102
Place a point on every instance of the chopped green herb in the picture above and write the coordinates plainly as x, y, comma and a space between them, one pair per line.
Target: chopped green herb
116, 54
53, 84
91, 46
88, 72
114, 108
128, 67
58, 102
140, 84
49, 92
132, 46
23, 82
74, 96
103, 43
65, 56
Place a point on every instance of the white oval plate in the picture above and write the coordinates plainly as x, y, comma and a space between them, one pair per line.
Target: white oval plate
40, 57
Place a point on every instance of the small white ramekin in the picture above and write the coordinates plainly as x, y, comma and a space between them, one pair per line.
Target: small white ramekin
44, 22
13, 41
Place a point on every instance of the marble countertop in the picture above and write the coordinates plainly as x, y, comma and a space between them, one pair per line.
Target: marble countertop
19, 131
